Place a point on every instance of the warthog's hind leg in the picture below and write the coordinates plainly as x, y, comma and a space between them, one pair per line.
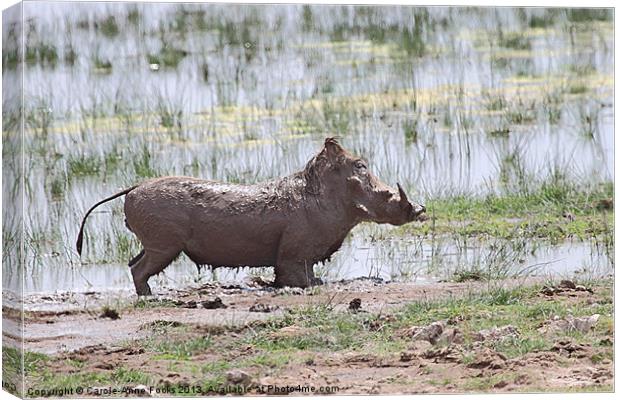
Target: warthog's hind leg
151, 263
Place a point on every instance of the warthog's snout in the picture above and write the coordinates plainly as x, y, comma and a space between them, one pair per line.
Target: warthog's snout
415, 210
418, 210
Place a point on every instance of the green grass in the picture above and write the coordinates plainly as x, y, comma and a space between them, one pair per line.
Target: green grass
410, 129
515, 41
42, 53
171, 341
84, 165
12, 360
585, 15
485, 383
553, 211
180, 349
320, 331
143, 165
108, 27
119, 378
102, 65
577, 88
168, 57
495, 308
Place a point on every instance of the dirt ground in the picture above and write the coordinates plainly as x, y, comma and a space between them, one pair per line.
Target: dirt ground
216, 339
70, 321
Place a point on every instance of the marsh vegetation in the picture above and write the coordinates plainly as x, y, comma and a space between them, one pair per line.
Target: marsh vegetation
500, 120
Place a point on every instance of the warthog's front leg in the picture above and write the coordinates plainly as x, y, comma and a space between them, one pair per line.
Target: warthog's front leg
292, 268
295, 274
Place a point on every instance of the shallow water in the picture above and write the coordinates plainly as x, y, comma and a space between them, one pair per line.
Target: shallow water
403, 260
411, 90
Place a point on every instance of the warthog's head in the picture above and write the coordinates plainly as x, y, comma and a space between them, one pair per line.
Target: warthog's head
340, 176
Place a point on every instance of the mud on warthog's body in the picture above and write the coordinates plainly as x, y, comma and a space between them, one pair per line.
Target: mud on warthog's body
290, 223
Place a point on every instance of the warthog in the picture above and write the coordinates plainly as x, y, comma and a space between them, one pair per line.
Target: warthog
290, 223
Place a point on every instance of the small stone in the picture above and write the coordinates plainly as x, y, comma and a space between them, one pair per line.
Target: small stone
488, 359
570, 324
566, 284
103, 365
355, 304
549, 290
429, 333
421, 346
190, 304
496, 334
213, 304
407, 356
109, 313
265, 308
238, 377
450, 336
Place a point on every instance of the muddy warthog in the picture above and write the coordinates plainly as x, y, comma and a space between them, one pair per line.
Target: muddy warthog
289, 223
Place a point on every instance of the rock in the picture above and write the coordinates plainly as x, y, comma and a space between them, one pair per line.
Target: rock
213, 304
258, 281
455, 320
109, 313
381, 322
581, 288
566, 284
407, 356
568, 348
265, 308
488, 359
522, 380
570, 324
450, 336
238, 377
295, 291
291, 331
429, 333
584, 324
549, 290
360, 359
103, 365
445, 354
496, 334
421, 346
190, 304
501, 384
355, 304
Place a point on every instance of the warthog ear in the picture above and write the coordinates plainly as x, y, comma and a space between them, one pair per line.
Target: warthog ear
333, 149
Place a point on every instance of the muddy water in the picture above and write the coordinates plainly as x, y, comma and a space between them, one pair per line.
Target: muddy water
399, 260
258, 88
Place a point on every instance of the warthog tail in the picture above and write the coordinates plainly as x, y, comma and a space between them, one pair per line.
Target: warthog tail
80, 237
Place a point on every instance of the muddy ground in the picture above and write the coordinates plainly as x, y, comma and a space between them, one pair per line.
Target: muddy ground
360, 336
